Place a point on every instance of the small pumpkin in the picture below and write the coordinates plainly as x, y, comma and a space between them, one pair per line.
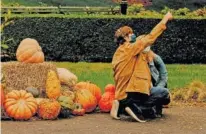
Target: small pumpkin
65, 91
29, 51
49, 109
66, 102
105, 103
20, 105
94, 89
109, 88
53, 87
66, 77
86, 99
78, 110
34, 91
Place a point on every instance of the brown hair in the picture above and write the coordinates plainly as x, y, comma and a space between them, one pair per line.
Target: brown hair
121, 33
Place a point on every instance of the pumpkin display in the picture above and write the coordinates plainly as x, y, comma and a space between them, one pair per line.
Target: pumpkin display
66, 77
94, 89
29, 51
86, 99
78, 110
20, 105
66, 102
109, 88
34, 91
53, 87
105, 103
49, 109
2, 95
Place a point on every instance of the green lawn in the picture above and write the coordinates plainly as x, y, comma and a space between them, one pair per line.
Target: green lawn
102, 74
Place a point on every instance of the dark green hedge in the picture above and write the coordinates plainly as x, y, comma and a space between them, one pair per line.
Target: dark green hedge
92, 39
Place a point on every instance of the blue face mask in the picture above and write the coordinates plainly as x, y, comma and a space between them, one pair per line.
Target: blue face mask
133, 38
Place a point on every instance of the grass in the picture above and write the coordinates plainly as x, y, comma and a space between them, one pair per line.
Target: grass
102, 74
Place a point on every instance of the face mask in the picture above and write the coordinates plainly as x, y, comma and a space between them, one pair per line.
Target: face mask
133, 38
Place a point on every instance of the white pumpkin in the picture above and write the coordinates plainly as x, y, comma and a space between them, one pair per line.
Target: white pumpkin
66, 77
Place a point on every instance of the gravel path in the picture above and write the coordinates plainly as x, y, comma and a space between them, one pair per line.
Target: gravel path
176, 120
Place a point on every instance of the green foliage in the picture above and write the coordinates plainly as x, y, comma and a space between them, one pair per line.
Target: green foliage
58, 2
176, 4
182, 11
92, 40
6, 22
135, 8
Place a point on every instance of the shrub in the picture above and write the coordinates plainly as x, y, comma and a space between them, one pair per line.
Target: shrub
92, 39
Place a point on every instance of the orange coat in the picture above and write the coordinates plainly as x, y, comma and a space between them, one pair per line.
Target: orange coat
131, 71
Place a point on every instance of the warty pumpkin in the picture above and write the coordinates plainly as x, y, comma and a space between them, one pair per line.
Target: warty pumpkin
94, 89
53, 86
109, 88
105, 103
66, 102
20, 105
86, 99
29, 51
49, 109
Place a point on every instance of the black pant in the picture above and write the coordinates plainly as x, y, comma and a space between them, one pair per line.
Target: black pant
158, 97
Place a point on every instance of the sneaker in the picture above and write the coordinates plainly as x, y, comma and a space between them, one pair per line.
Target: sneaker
137, 117
114, 110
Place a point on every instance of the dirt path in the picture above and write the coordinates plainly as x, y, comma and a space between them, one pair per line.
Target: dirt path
176, 120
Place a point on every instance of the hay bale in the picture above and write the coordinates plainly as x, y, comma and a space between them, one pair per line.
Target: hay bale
18, 75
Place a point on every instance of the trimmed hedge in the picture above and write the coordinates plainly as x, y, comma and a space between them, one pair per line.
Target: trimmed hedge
92, 39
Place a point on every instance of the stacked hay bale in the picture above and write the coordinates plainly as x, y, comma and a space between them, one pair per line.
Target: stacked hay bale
19, 76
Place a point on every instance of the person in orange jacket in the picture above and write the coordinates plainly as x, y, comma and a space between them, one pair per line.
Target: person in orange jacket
131, 71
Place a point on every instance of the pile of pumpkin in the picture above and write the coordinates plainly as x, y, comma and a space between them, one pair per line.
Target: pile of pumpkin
63, 95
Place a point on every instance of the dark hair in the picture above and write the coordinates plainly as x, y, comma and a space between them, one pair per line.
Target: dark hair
120, 40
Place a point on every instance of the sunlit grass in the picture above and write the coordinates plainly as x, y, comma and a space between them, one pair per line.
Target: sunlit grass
102, 73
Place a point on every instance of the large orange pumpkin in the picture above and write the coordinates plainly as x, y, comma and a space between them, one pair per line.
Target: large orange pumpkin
105, 103
49, 109
29, 51
94, 89
86, 99
109, 88
2, 95
20, 105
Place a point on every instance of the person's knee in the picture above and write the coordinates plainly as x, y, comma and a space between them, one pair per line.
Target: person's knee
159, 91
165, 92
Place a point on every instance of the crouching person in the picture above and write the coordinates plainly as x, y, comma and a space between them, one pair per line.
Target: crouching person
132, 74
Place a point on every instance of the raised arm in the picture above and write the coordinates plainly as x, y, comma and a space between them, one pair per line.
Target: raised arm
150, 38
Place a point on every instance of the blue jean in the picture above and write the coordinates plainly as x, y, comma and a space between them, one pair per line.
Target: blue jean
158, 97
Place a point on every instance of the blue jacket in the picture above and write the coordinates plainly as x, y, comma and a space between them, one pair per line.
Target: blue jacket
159, 72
